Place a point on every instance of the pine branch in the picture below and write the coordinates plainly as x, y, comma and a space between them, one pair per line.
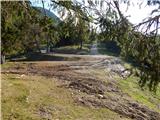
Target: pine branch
151, 19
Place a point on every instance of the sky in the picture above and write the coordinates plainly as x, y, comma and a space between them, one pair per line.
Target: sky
135, 12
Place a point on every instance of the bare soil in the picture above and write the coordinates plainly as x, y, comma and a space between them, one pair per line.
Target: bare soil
89, 90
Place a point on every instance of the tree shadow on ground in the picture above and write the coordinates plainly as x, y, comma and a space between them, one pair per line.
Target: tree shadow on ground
43, 57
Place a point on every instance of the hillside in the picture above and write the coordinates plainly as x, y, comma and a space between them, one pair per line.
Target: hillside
49, 14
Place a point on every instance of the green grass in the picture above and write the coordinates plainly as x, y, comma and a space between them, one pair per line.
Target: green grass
73, 49
150, 99
25, 97
7, 65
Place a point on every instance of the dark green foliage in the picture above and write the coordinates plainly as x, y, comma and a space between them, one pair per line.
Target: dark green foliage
146, 51
16, 25
49, 14
24, 28
73, 31
12, 23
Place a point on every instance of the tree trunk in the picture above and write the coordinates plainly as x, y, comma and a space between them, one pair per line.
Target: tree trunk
48, 41
2, 59
81, 44
37, 44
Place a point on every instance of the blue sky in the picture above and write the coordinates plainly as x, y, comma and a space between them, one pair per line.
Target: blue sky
39, 4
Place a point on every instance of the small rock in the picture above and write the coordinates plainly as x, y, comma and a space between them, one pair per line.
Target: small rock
27, 100
100, 96
22, 75
158, 106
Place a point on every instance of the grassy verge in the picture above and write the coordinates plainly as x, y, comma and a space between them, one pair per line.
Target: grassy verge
73, 49
130, 86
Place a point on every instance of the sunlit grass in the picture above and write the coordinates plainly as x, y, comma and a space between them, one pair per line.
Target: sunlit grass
144, 96
73, 49
23, 97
